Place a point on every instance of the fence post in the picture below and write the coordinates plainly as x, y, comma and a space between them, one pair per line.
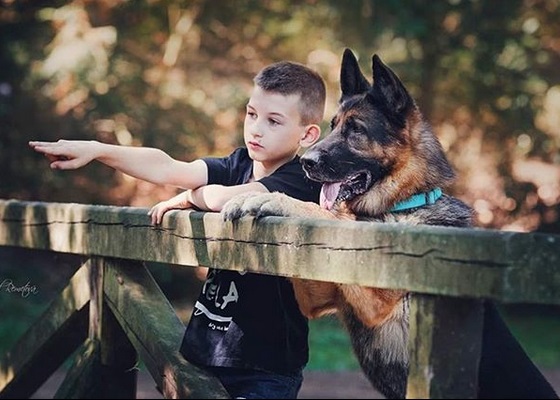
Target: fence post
444, 346
105, 365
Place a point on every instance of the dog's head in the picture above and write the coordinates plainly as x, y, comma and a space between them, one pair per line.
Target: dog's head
380, 150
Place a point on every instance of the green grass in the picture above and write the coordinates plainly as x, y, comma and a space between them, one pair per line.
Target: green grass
329, 346
17, 316
537, 328
48, 272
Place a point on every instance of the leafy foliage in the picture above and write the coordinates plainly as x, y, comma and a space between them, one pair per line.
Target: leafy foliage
176, 76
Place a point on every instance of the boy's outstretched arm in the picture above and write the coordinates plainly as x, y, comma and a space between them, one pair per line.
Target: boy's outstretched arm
149, 164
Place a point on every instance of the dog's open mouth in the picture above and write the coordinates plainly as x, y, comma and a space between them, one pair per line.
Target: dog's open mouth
333, 193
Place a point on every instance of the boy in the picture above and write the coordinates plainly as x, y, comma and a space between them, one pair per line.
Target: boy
245, 328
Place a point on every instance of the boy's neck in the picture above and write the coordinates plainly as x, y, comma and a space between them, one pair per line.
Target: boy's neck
262, 169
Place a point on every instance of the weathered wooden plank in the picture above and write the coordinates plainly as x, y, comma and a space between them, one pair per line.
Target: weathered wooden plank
156, 332
83, 378
106, 369
119, 360
445, 341
506, 266
49, 342
96, 373
95, 280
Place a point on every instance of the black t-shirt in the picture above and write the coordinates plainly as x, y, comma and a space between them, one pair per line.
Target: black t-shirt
250, 320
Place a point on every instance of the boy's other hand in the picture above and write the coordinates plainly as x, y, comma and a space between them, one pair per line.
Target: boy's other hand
178, 202
66, 154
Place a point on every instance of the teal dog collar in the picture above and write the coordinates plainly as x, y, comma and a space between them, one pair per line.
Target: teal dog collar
418, 200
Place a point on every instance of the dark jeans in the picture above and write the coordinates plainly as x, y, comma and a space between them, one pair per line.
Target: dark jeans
254, 384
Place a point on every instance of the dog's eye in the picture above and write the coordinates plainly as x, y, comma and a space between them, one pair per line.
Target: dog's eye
356, 126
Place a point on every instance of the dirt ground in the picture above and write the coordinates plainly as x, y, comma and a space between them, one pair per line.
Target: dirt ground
316, 385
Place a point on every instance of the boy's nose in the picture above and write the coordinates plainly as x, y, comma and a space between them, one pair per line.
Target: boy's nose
255, 131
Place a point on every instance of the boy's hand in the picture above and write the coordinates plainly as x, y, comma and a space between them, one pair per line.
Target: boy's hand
66, 154
179, 202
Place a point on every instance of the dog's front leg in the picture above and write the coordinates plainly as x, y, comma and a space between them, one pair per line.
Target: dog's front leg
271, 204
316, 299
371, 305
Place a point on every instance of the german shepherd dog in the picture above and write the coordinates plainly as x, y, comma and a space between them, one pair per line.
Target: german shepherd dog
383, 163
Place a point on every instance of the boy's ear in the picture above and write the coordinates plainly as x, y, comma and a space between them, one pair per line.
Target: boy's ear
310, 136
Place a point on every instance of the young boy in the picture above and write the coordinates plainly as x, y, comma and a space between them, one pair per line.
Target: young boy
245, 328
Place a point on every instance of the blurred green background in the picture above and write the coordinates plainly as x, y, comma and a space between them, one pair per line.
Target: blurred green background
176, 75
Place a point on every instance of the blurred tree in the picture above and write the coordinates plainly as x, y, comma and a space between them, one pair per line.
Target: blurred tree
176, 75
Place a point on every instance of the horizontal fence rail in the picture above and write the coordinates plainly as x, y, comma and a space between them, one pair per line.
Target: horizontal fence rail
505, 266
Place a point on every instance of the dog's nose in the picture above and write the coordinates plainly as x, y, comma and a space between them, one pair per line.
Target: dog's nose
309, 160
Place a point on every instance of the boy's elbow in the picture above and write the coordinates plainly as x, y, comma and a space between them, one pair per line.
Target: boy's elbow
215, 197
217, 200
216, 204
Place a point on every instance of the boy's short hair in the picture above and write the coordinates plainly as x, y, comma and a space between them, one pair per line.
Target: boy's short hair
287, 78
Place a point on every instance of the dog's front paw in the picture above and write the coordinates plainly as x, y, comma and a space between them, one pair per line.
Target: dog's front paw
258, 205
236, 206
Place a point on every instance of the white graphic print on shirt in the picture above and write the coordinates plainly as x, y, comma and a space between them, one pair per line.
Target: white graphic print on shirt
217, 296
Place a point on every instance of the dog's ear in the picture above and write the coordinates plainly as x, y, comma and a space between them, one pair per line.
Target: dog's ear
388, 89
352, 81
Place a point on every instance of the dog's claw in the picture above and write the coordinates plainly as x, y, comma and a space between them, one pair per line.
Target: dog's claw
231, 213
228, 216
236, 208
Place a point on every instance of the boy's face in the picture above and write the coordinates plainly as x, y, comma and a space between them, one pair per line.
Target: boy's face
272, 128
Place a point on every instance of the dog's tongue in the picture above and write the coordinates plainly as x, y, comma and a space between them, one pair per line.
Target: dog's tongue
329, 193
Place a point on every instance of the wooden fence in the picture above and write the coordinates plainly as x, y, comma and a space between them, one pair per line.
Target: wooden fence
114, 313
